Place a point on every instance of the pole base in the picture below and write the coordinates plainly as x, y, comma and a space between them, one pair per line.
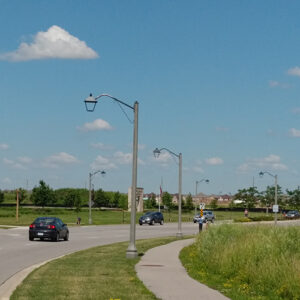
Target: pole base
179, 235
131, 254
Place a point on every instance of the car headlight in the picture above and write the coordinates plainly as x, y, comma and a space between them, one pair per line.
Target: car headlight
147, 219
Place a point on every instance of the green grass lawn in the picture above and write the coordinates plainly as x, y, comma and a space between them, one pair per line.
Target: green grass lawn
102, 273
100, 217
247, 262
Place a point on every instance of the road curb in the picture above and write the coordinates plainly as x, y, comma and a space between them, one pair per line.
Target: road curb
8, 287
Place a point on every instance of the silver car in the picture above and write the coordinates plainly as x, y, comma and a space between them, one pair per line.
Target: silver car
208, 215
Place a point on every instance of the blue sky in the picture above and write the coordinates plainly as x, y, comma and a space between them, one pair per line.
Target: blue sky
218, 81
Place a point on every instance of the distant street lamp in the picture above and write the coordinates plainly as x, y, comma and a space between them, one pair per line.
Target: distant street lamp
197, 182
261, 174
90, 104
90, 192
156, 153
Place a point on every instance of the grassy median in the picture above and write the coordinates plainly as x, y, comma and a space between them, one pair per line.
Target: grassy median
247, 262
102, 273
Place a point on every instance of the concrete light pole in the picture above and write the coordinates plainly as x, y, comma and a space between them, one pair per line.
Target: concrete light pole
156, 153
90, 104
275, 177
90, 193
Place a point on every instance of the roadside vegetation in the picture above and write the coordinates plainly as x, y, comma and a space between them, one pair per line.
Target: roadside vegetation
98, 273
247, 262
107, 217
111, 207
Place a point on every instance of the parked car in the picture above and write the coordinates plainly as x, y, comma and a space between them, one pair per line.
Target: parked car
208, 215
151, 218
292, 214
48, 228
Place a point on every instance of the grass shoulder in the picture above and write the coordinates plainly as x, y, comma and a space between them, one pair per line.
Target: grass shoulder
247, 262
98, 273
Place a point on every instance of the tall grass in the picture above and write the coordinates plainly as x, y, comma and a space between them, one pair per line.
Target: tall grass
247, 262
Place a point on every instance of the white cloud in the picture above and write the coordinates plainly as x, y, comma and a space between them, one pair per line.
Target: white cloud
294, 132
296, 110
54, 43
6, 180
294, 71
54, 161
272, 162
214, 161
102, 163
13, 164
24, 160
163, 159
198, 167
98, 124
4, 146
101, 146
125, 158
274, 83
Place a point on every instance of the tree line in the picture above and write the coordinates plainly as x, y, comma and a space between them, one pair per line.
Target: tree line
43, 195
251, 198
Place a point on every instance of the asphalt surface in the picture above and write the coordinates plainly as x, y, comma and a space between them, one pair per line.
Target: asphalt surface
17, 253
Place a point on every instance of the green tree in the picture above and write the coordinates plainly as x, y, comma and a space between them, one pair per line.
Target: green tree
77, 203
214, 203
72, 196
250, 197
294, 198
167, 200
1, 196
189, 202
43, 195
268, 196
101, 199
151, 201
123, 201
22, 195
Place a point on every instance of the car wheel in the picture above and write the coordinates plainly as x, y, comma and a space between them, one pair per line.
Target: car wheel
66, 238
141, 224
212, 220
57, 237
31, 238
162, 222
152, 222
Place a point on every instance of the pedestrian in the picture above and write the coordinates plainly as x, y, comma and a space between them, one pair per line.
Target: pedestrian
246, 213
78, 220
200, 221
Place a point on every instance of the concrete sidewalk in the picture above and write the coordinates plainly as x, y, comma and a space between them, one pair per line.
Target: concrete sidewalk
162, 273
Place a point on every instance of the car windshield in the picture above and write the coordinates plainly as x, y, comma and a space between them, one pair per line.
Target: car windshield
44, 220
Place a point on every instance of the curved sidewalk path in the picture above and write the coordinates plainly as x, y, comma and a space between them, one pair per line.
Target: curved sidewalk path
162, 273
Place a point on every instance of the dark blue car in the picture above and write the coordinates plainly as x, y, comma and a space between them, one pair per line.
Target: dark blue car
48, 228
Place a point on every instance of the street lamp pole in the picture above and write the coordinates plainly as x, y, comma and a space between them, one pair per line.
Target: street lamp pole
156, 153
276, 178
197, 182
90, 104
90, 193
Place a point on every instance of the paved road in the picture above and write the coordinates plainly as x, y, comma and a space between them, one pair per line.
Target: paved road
18, 253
